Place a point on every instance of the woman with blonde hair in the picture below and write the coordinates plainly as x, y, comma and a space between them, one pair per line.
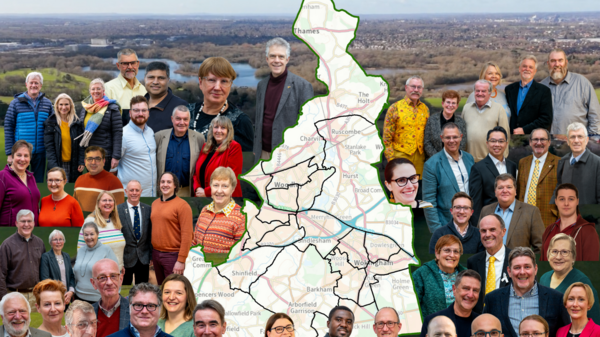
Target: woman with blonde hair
491, 72
105, 215
578, 299
50, 303
60, 132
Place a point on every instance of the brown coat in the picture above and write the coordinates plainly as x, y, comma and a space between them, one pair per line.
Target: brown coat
526, 226
546, 185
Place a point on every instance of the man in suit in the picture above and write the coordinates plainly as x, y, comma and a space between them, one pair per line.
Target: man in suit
79, 320
445, 174
466, 293
580, 167
492, 263
529, 101
525, 297
484, 173
15, 310
179, 143
137, 230
278, 100
113, 309
537, 178
524, 225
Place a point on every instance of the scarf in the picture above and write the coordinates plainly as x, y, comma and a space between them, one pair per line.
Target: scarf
97, 109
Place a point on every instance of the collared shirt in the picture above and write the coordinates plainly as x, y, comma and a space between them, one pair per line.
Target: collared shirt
404, 127
226, 210
462, 233
523, 90
136, 333
500, 165
138, 158
218, 231
520, 307
7, 335
542, 160
160, 114
20, 262
178, 158
498, 263
132, 215
487, 104
111, 311
573, 100
120, 90
506, 215
448, 280
459, 170
578, 157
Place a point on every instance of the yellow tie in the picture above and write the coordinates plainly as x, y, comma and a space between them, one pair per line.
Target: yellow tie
490, 281
532, 193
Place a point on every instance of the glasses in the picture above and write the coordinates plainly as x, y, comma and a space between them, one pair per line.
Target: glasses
496, 141
55, 181
462, 208
91, 159
390, 325
279, 329
563, 253
103, 278
452, 138
127, 64
139, 110
402, 181
539, 140
225, 83
139, 306
450, 103
577, 137
492, 333
58, 240
533, 334
416, 87
451, 251
83, 325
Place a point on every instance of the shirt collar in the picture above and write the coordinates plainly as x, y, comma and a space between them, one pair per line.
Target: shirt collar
163, 104
173, 134
499, 254
532, 292
496, 161
136, 333
226, 210
578, 158
137, 128
109, 312
124, 82
541, 159
511, 207
458, 229
528, 85
409, 101
487, 104
7, 335
170, 198
450, 157
129, 205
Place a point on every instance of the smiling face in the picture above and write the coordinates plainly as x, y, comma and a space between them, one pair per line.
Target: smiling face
281, 323
133, 192
174, 297
492, 75
21, 159
57, 242
467, 293
167, 185
108, 288
577, 303
215, 93
482, 93
80, 317
505, 192
144, 319
491, 233
106, 204
128, 65
157, 82
557, 65
181, 122
222, 190
463, 215
90, 237
94, 162
277, 60
16, 317
451, 139
496, 144
34, 85
539, 142
97, 91
386, 315
139, 114
522, 271
414, 89
448, 257
577, 141
407, 193
566, 202
220, 133
64, 107
450, 105
558, 262
341, 323
52, 306
25, 225
56, 182
207, 323
527, 70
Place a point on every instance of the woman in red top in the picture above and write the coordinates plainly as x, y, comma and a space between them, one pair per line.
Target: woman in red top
59, 209
219, 150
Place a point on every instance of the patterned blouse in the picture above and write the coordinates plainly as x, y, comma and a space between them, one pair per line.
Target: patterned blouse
448, 280
218, 231
404, 127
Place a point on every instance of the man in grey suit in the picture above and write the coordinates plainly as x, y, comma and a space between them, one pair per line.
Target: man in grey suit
137, 230
178, 149
15, 311
107, 279
278, 100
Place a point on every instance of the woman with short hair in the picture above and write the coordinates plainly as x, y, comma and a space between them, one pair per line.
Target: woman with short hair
578, 299
433, 129
50, 303
56, 265
59, 209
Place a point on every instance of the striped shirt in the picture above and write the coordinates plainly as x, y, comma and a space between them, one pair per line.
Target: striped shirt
109, 236
218, 231
520, 307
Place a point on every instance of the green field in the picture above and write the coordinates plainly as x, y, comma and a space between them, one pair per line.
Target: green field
436, 103
55, 82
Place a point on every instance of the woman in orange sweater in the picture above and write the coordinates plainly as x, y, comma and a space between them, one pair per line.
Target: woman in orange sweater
59, 209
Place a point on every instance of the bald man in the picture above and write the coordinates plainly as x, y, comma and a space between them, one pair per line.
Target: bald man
113, 309
441, 326
387, 322
486, 323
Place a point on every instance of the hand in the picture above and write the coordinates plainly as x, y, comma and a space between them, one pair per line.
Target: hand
178, 268
114, 163
9, 159
80, 168
200, 192
518, 131
68, 297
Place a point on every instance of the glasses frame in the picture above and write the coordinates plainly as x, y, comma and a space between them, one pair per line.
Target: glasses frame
487, 333
147, 306
418, 177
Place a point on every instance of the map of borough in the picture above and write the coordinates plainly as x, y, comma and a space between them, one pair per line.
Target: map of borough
325, 233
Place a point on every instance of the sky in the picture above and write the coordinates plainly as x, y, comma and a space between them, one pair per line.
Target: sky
291, 7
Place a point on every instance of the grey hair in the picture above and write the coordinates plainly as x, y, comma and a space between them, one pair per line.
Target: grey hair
490, 85
11, 296
82, 306
126, 51
449, 125
576, 126
97, 80
539, 129
55, 233
416, 77
279, 42
34, 74
530, 57
181, 108
211, 305
90, 224
25, 212
134, 181
395, 311
520, 251
563, 236
145, 288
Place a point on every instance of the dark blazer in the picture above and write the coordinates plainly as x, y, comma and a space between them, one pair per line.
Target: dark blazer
296, 92
136, 250
126, 332
585, 175
536, 111
526, 226
477, 263
550, 307
124, 316
481, 184
49, 268
34, 332
53, 145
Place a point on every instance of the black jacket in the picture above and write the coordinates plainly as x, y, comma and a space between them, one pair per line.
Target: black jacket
109, 134
477, 263
53, 144
536, 111
49, 268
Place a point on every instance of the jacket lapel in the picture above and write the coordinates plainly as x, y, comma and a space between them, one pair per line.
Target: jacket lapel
530, 94
514, 221
490, 165
448, 171
193, 150
543, 298
164, 149
548, 166
287, 90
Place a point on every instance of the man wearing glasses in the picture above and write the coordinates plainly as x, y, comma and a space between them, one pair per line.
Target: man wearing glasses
209, 319
144, 304
387, 322
461, 210
126, 85
537, 176
486, 325
113, 309
404, 126
80, 320
446, 173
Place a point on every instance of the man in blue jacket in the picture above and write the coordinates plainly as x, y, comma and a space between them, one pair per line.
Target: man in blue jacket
25, 119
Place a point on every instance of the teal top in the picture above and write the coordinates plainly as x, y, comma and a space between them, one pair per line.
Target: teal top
575, 275
186, 329
429, 287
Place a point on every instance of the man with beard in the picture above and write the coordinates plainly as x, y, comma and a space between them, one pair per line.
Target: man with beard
126, 85
537, 176
387, 322
161, 100
14, 311
466, 294
573, 97
341, 322
138, 150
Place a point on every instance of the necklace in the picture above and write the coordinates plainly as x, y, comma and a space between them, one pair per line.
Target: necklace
202, 107
56, 201
495, 93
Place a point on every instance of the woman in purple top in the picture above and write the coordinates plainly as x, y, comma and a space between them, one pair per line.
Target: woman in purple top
17, 186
